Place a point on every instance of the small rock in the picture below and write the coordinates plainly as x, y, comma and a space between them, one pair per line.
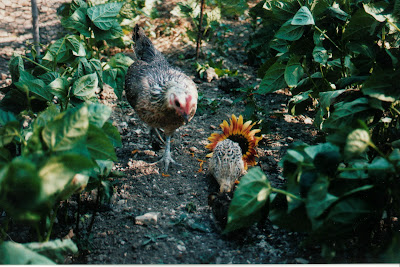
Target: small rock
181, 248
148, 218
3, 77
193, 149
301, 260
213, 127
122, 242
210, 74
307, 121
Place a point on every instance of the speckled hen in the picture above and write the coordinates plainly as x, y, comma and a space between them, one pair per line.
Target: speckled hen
162, 96
226, 164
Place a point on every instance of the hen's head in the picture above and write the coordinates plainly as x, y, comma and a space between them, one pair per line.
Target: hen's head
183, 99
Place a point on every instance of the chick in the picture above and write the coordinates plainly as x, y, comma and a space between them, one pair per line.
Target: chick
226, 164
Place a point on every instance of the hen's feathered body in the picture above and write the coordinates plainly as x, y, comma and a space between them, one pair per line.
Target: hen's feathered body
226, 164
162, 96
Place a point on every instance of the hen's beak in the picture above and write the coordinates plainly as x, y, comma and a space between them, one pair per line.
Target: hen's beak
185, 118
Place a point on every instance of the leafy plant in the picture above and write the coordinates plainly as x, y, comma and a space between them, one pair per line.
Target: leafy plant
347, 186
55, 136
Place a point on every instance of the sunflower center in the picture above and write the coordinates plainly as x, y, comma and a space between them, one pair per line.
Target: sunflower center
242, 141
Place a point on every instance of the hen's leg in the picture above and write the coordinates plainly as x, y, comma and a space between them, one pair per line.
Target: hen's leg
166, 158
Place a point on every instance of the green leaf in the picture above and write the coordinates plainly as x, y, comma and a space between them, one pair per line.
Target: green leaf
78, 21
319, 200
112, 133
6, 116
293, 71
99, 145
76, 45
104, 16
67, 130
273, 79
98, 68
320, 55
15, 66
360, 27
58, 52
120, 61
379, 85
114, 32
8, 132
59, 87
46, 116
376, 10
98, 114
16, 254
356, 143
298, 104
85, 87
250, 197
336, 12
48, 77
29, 83
290, 32
303, 17
58, 172
346, 112
20, 187
55, 250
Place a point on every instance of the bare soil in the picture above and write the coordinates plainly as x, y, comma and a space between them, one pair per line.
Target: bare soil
186, 230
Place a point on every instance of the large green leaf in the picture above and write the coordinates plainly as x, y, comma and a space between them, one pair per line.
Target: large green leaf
114, 32
361, 26
29, 83
347, 112
78, 21
320, 55
76, 45
15, 66
16, 254
379, 85
20, 187
55, 250
99, 145
250, 197
58, 172
273, 79
58, 52
303, 17
290, 32
6, 116
59, 87
8, 132
98, 114
104, 16
112, 132
85, 87
293, 71
67, 130
377, 10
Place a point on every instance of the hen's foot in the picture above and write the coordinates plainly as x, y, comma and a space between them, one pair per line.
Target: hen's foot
166, 158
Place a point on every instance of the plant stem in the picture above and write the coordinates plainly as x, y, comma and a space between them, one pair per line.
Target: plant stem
327, 37
78, 212
286, 193
200, 31
34, 62
53, 217
95, 210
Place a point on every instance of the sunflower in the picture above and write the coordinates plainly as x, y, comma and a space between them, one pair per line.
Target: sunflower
241, 133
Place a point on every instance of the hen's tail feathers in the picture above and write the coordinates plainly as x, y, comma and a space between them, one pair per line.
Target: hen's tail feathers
144, 48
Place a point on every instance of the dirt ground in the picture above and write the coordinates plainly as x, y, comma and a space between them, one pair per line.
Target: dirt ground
186, 230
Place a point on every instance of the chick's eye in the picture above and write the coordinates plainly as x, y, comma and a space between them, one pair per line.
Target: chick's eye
177, 103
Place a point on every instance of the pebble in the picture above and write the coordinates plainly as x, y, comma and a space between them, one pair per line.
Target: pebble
148, 218
181, 248
308, 121
193, 149
301, 260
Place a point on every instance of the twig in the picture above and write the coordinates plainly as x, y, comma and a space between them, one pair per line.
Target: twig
200, 30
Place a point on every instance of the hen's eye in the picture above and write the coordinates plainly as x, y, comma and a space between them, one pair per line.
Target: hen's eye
177, 103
